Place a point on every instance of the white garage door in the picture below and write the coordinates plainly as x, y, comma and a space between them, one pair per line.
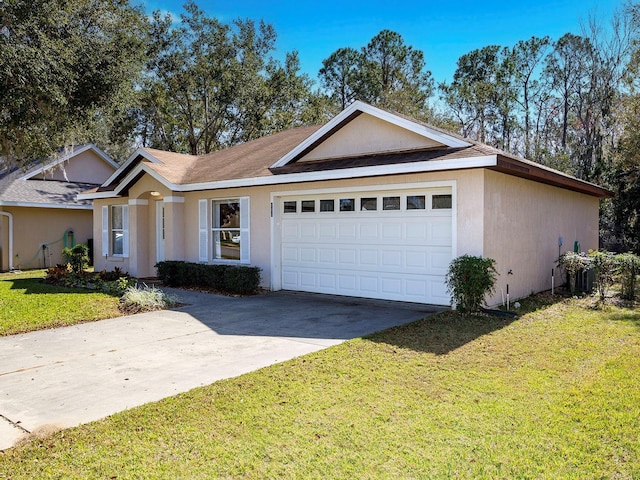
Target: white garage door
393, 245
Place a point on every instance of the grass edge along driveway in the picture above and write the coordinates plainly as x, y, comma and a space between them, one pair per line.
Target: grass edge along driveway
28, 304
552, 394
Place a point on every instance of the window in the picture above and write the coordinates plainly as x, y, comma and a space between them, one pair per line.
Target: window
327, 205
290, 207
440, 202
115, 230
230, 229
308, 206
415, 202
347, 204
391, 203
369, 204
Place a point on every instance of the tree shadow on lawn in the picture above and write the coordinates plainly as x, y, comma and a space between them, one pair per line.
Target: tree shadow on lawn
442, 333
627, 315
448, 331
33, 286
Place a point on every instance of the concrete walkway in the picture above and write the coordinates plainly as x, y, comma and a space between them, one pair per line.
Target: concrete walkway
68, 376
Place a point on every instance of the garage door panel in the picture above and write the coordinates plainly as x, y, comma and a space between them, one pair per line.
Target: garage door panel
432, 260
369, 232
327, 231
347, 231
395, 255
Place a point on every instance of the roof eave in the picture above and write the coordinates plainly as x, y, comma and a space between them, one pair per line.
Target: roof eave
538, 173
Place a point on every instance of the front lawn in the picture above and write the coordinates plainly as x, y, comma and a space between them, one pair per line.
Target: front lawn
27, 304
553, 394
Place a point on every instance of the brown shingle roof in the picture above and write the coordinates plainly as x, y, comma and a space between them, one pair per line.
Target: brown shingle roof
254, 159
248, 160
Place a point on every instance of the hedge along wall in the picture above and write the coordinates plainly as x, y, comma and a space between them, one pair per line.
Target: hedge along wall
235, 279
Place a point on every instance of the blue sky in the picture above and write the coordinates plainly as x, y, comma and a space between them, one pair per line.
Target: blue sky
442, 30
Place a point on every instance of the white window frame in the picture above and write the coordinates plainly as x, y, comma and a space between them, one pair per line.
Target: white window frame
209, 232
108, 231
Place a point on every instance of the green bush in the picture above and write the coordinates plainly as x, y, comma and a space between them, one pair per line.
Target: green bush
235, 279
603, 266
572, 263
77, 256
146, 299
469, 280
628, 269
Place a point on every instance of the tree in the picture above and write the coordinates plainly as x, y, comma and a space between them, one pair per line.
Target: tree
527, 57
65, 70
210, 84
482, 95
386, 73
339, 75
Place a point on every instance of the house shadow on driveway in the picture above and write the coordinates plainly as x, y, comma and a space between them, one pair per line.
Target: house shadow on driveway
315, 316
441, 334
298, 314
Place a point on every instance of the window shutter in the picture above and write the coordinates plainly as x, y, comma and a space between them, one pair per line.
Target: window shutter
125, 233
245, 241
203, 232
105, 230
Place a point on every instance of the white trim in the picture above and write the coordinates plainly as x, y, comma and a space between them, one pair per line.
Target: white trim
346, 173
174, 199
160, 232
203, 230
46, 166
423, 130
140, 168
105, 230
95, 195
276, 227
138, 201
10, 218
139, 152
61, 206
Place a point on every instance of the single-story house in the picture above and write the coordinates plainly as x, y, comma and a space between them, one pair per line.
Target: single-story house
39, 210
371, 204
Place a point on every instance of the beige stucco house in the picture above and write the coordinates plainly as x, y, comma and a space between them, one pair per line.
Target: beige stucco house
39, 210
371, 204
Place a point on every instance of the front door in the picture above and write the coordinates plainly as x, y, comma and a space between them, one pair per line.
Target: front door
160, 231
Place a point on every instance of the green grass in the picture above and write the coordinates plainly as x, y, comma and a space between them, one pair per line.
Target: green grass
554, 394
27, 304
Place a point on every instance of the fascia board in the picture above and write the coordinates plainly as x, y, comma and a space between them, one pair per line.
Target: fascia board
358, 172
95, 195
45, 205
414, 127
140, 168
138, 153
318, 134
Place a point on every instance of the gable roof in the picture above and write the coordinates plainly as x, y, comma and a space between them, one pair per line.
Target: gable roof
28, 188
285, 158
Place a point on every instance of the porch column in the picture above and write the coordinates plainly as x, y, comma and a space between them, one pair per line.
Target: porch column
174, 228
138, 237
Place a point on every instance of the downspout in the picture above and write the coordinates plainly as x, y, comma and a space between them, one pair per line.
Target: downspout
10, 217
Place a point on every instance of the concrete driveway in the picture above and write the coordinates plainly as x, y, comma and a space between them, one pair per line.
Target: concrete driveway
64, 377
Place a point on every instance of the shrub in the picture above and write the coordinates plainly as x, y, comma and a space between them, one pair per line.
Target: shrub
146, 299
628, 269
235, 279
602, 264
469, 280
57, 273
572, 263
77, 256
113, 275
